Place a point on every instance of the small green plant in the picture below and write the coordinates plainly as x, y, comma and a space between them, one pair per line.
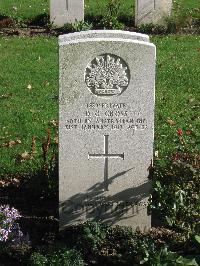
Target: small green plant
182, 18
152, 28
93, 235
77, 26
143, 248
38, 259
19, 23
111, 22
59, 257
176, 189
111, 19
82, 26
197, 238
164, 257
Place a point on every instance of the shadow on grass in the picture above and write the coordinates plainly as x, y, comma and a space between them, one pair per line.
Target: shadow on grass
36, 198
5, 21
41, 20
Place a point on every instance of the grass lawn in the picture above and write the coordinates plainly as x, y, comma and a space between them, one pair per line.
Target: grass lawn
189, 3
29, 90
25, 9
177, 89
29, 78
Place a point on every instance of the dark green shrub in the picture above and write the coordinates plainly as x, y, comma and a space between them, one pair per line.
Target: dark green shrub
111, 19
82, 26
164, 257
152, 29
77, 26
92, 236
182, 18
41, 20
38, 259
110, 23
60, 257
176, 189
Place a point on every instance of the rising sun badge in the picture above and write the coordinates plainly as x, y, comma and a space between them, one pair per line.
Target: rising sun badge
107, 75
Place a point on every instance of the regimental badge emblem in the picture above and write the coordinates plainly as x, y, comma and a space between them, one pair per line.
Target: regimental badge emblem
107, 75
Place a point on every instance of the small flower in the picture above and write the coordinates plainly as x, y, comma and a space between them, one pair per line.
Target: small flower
175, 157
9, 229
179, 131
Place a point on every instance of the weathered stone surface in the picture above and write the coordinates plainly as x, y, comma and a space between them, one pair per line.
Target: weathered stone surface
66, 11
152, 11
106, 129
104, 34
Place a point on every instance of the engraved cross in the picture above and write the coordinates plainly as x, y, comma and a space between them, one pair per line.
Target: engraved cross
67, 5
106, 155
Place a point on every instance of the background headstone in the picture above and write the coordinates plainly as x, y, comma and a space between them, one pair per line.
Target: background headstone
152, 11
106, 128
66, 11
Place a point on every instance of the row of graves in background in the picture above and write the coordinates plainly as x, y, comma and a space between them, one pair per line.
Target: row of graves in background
146, 11
106, 127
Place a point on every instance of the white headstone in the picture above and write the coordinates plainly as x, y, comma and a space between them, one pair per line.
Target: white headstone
152, 11
66, 11
106, 127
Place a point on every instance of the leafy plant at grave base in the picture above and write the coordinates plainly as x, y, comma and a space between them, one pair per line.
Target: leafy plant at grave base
127, 21
182, 18
164, 257
92, 236
64, 257
110, 20
142, 247
77, 26
152, 29
18, 23
193, 245
10, 232
82, 26
176, 190
93, 21
146, 251
38, 259
110, 23
197, 238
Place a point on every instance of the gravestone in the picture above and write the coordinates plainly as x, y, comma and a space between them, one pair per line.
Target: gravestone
66, 11
106, 122
152, 11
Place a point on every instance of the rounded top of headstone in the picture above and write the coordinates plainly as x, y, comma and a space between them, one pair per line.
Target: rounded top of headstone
103, 34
